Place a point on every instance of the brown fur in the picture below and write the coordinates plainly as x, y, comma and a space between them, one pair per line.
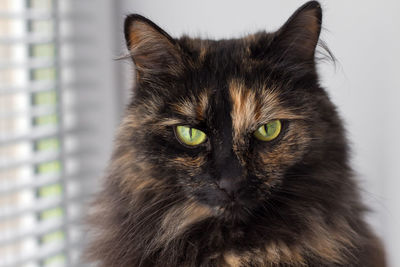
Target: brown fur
194, 107
233, 200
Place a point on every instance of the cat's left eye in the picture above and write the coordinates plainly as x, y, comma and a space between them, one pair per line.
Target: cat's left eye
269, 131
190, 136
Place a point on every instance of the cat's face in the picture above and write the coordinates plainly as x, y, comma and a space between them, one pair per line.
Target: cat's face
200, 106
231, 170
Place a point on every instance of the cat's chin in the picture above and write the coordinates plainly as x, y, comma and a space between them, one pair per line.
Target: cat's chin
234, 211
234, 214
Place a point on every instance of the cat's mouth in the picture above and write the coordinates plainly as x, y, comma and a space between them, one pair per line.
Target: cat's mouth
237, 207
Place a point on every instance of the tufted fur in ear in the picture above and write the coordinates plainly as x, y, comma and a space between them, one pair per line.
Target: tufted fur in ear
151, 48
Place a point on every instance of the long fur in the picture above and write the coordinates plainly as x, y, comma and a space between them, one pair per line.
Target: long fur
296, 201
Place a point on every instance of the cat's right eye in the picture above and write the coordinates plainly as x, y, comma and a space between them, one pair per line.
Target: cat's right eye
190, 136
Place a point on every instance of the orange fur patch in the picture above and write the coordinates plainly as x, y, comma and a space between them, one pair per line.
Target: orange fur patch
327, 243
252, 108
194, 108
330, 243
190, 162
232, 259
179, 218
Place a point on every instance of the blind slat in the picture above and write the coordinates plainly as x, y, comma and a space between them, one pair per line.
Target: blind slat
40, 229
33, 135
42, 180
45, 86
33, 39
43, 253
33, 112
42, 205
35, 159
43, 157
28, 15
32, 64
32, 87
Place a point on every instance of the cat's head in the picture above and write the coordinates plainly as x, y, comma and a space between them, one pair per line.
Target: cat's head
230, 125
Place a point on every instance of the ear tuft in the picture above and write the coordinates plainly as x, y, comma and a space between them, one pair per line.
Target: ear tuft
151, 48
298, 37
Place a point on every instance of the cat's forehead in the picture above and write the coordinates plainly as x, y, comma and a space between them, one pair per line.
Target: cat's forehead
223, 85
245, 106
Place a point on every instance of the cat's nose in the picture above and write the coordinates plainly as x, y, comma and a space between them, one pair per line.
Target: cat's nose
230, 173
230, 186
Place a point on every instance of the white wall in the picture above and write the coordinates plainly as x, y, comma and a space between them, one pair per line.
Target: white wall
364, 36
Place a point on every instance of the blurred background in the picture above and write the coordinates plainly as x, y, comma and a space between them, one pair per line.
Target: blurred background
62, 95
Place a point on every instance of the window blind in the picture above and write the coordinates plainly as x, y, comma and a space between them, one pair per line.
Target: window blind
43, 186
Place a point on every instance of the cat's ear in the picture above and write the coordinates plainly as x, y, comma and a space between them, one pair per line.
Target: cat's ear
151, 48
298, 37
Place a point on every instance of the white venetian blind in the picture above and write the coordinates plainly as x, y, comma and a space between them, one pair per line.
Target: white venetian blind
43, 180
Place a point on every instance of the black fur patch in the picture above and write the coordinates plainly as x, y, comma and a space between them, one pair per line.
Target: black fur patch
233, 200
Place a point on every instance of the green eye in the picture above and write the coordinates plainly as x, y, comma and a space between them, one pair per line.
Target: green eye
269, 131
190, 136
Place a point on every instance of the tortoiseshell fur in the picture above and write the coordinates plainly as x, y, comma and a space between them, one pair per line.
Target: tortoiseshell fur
295, 201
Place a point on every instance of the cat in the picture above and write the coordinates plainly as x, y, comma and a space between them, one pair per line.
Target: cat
230, 154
